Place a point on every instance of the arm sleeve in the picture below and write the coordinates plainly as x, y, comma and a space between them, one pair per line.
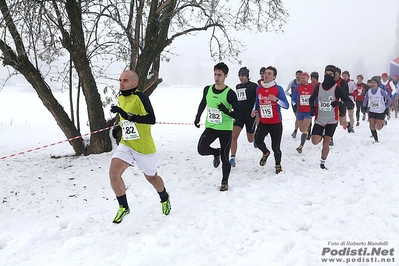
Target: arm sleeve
388, 99
341, 94
282, 99
287, 90
294, 99
256, 105
202, 104
314, 95
232, 99
366, 100
149, 118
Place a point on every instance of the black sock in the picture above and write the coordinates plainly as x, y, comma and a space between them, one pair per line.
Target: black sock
163, 195
374, 133
123, 201
303, 138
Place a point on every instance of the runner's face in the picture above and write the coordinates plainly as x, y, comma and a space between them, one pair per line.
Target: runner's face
359, 80
337, 76
384, 78
126, 81
330, 73
219, 76
269, 76
304, 80
298, 76
243, 79
395, 78
345, 76
374, 84
262, 75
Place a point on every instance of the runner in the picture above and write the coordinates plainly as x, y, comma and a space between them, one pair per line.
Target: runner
270, 97
300, 98
394, 84
136, 144
314, 79
377, 101
261, 73
386, 82
351, 88
359, 94
330, 97
222, 107
342, 111
246, 94
288, 91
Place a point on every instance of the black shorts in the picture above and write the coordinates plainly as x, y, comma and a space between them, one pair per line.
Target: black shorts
377, 115
246, 120
328, 129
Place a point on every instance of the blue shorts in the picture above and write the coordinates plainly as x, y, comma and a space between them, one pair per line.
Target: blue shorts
302, 115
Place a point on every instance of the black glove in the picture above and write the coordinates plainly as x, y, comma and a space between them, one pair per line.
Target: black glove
196, 122
336, 103
117, 109
116, 132
312, 110
223, 108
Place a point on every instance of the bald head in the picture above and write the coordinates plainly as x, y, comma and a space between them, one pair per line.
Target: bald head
128, 80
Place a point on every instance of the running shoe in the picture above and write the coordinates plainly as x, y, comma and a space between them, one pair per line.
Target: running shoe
278, 168
308, 136
216, 160
364, 117
294, 134
299, 149
322, 166
122, 212
331, 142
357, 124
255, 145
233, 162
264, 158
166, 206
385, 122
224, 186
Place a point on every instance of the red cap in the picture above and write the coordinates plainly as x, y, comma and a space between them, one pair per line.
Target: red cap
396, 75
384, 75
304, 74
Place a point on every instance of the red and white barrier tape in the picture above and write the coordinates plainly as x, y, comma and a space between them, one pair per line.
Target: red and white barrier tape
81, 136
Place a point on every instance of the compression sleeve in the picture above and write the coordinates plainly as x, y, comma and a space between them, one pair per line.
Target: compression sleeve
149, 118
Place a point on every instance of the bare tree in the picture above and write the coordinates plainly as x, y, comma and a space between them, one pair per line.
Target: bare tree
37, 36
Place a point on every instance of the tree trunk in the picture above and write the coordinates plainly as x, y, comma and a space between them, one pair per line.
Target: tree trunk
99, 142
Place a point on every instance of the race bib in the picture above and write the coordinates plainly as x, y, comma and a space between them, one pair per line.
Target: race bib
129, 130
214, 116
304, 99
241, 95
266, 111
359, 91
325, 106
375, 105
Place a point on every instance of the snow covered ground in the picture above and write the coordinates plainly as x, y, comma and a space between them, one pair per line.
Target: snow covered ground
57, 209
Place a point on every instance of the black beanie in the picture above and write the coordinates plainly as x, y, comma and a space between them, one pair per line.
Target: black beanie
243, 72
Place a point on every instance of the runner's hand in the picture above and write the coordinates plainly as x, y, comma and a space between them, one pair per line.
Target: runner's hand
196, 122
336, 103
117, 109
116, 131
223, 108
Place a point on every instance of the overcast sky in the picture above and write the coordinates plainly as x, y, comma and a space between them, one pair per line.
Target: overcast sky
356, 35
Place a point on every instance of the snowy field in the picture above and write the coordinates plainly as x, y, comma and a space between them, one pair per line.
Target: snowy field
57, 209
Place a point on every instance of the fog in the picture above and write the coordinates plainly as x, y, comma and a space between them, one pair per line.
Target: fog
360, 36
356, 35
